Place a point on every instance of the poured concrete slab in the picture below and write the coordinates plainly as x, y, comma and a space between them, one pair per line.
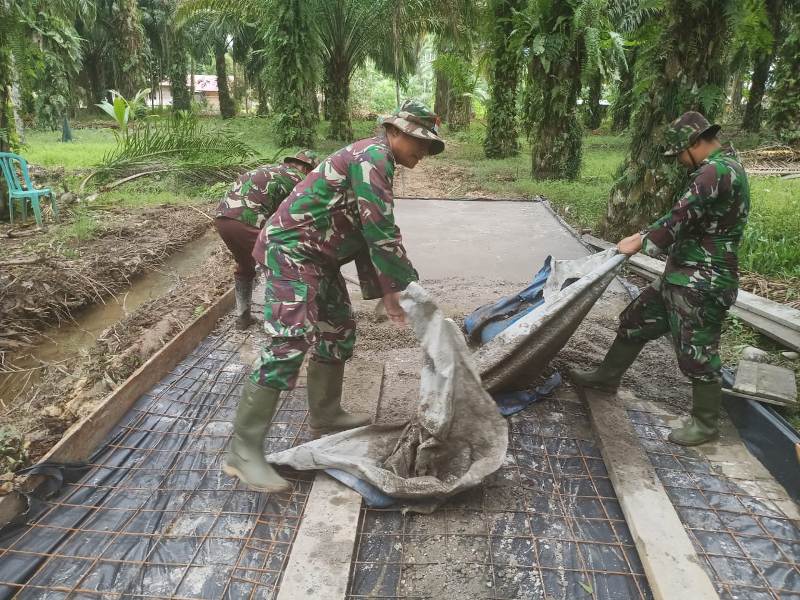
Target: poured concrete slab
495, 239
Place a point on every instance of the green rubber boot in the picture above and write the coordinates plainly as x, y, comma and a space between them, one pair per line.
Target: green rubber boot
607, 376
703, 426
325, 400
245, 456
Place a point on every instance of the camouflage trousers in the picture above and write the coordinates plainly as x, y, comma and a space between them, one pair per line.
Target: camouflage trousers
693, 317
304, 310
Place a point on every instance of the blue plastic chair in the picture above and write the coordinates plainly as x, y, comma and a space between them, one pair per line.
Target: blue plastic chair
23, 191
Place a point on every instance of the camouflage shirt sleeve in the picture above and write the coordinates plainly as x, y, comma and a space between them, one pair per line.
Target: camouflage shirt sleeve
689, 209
371, 179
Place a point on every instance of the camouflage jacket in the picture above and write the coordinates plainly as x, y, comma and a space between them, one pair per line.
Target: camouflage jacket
257, 194
342, 211
703, 230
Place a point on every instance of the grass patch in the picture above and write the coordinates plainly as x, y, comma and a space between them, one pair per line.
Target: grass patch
82, 228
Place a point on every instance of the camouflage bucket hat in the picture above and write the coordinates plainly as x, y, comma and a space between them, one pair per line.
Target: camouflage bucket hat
685, 131
308, 157
419, 121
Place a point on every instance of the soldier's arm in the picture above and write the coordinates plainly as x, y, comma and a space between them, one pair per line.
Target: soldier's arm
371, 180
689, 208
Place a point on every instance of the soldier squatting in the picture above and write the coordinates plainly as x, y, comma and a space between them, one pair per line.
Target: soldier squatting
301, 221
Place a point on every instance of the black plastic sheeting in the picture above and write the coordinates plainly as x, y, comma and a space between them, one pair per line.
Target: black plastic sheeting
152, 515
748, 546
546, 525
768, 437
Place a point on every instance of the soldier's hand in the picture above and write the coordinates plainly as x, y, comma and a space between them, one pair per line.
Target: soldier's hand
631, 244
396, 314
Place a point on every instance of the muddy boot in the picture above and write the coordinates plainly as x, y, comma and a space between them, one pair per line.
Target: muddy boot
325, 400
243, 289
607, 376
703, 426
245, 456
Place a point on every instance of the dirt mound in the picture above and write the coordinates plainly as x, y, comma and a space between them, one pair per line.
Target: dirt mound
45, 278
66, 395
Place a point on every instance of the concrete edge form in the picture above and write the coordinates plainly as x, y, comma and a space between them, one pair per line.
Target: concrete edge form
329, 526
670, 561
83, 437
775, 320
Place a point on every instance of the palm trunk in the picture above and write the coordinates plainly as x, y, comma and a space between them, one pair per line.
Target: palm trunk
736, 95
178, 74
227, 108
341, 127
558, 138
263, 96
623, 106
648, 183
128, 48
594, 112
784, 106
758, 84
501, 128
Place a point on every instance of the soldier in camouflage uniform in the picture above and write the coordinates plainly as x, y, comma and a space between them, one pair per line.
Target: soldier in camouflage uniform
243, 211
701, 236
342, 212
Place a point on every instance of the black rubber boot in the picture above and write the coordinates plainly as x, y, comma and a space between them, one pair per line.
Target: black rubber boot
608, 374
325, 400
245, 456
703, 426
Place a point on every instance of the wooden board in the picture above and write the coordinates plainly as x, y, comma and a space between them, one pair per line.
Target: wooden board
764, 382
670, 561
775, 320
81, 439
319, 563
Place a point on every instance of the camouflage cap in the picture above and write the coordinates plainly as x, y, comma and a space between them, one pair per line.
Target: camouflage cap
419, 121
308, 157
685, 131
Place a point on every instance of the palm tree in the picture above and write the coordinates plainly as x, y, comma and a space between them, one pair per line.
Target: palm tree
563, 40
688, 65
784, 114
501, 113
766, 40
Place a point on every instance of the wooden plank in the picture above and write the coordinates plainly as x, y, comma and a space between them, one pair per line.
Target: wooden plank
670, 562
765, 382
775, 320
319, 563
80, 440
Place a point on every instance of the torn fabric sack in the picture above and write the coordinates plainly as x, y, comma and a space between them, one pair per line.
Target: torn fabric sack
457, 438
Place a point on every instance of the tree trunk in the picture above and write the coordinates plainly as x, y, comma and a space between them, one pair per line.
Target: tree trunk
19, 126
691, 76
594, 112
128, 48
501, 127
623, 106
178, 74
441, 104
758, 84
784, 114
737, 93
192, 70
339, 101
263, 96
227, 108
291, 87
460, 112
558, 138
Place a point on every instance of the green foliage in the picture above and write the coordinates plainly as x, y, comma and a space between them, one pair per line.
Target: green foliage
124, 111
784, 115
177, 144
685, 69
501, 128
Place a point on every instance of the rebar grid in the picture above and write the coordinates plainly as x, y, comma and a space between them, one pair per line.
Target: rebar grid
154, 516
546, 525
749, 548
